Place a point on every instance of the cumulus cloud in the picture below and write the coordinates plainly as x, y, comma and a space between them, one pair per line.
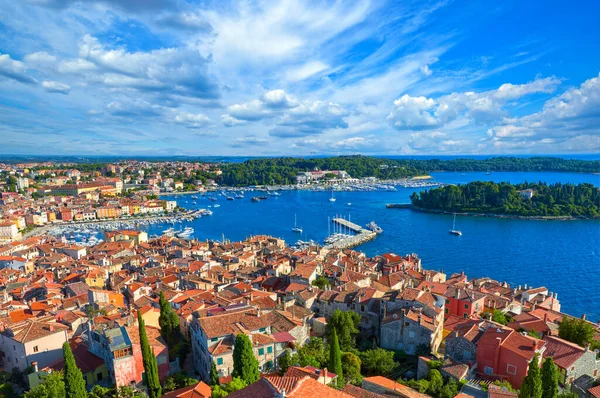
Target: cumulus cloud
421, 113
572, 118
15, 70
181, 70
56, 87
192, 119
292, 118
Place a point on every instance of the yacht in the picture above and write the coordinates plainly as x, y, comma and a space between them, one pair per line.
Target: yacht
349, 204
217, 205
296, 227
455, 231
332, 199
374, 227
255, 199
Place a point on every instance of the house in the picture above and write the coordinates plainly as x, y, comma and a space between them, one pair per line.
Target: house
409, 329
120, 348
572, 360
464, 303
92, 367
291, 387
200, 390
504, 354
32, 340
386, 387
321, 375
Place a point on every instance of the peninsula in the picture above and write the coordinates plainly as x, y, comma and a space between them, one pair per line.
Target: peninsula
527, 200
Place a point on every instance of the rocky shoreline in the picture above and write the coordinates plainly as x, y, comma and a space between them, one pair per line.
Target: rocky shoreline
509, 216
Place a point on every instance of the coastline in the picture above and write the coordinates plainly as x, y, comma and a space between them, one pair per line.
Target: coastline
493, 215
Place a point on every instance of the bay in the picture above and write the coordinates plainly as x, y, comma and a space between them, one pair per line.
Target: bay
564, 256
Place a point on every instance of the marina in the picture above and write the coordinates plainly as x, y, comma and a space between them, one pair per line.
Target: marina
351, 235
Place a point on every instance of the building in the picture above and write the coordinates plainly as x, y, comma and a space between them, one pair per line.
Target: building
386, 387
504, 354
464, 303
200, 390
409, 330
9, 231
32, 340
572, 360
120, 348
291, 387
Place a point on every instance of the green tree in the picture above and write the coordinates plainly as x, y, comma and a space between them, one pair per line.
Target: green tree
436, 382
73, 378
214, 375
377, 361
450, 389
335, 359
168, 322
351, 368
285, 361
99, 392
499, 317
245, 364
532, 383
177, 381
321, 282
504, 384
346, 327
234, 385
53, 386
150, 366
549, 379
576, 331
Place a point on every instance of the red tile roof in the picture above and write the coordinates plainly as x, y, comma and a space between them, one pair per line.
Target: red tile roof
563, 353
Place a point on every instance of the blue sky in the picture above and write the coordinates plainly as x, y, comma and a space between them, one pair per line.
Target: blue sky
159, 77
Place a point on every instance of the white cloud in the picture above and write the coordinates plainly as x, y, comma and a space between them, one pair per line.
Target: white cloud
15, 70
572, 118
250, 140
306, 70
56, 87
192, 119
425, 70
421, 113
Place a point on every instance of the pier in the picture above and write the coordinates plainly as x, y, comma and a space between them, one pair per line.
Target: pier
347, 241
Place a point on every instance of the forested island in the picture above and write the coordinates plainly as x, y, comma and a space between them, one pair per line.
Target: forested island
284, 170
538, 200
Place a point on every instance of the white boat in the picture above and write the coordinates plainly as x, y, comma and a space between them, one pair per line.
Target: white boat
296, 227
455, 231
332, 199
217, 205
349, 204
374, 227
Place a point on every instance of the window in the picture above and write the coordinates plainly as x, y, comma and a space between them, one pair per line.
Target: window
269, 350
214, 339
362, 308
14, 347
488, 371
466, 306
447, 301
261, 351
16, 360
446, 310
511, 369
465, 315
476, 306
411, 334
219, 361
36, 349
123, 353
262, 330
99, 376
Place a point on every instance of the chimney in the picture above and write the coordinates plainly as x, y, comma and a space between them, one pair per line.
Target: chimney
533, 345
51, 327
34, 365
325, 376
583, 317
546, 317
587, 347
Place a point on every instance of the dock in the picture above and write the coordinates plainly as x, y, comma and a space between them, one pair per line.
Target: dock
362, 235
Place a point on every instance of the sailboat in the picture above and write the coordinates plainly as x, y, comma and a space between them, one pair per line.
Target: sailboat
332, 199
455, 231
296, 227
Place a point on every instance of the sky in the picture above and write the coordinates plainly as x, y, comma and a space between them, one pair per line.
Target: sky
299, 77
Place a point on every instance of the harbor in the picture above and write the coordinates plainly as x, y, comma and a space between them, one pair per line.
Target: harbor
348, 234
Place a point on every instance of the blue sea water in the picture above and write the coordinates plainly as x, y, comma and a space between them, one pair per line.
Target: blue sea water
564, 256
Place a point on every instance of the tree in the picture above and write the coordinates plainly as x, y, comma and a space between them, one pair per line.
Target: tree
377, 361
351, 368
234, 385
436, 382
346, 327
285, 361
335, 359
214, 375
549, 379
321, 282
576, 331
177, 381
532, 383
245, 364
168, 322
150, 366
99, 392
73, 378
499, 317
53, 385
450, 389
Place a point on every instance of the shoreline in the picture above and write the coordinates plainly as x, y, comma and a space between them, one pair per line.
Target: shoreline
506, 216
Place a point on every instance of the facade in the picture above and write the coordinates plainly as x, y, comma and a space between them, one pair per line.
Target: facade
408, 330
572, 360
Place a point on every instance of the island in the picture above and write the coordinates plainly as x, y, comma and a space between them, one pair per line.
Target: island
526, 200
